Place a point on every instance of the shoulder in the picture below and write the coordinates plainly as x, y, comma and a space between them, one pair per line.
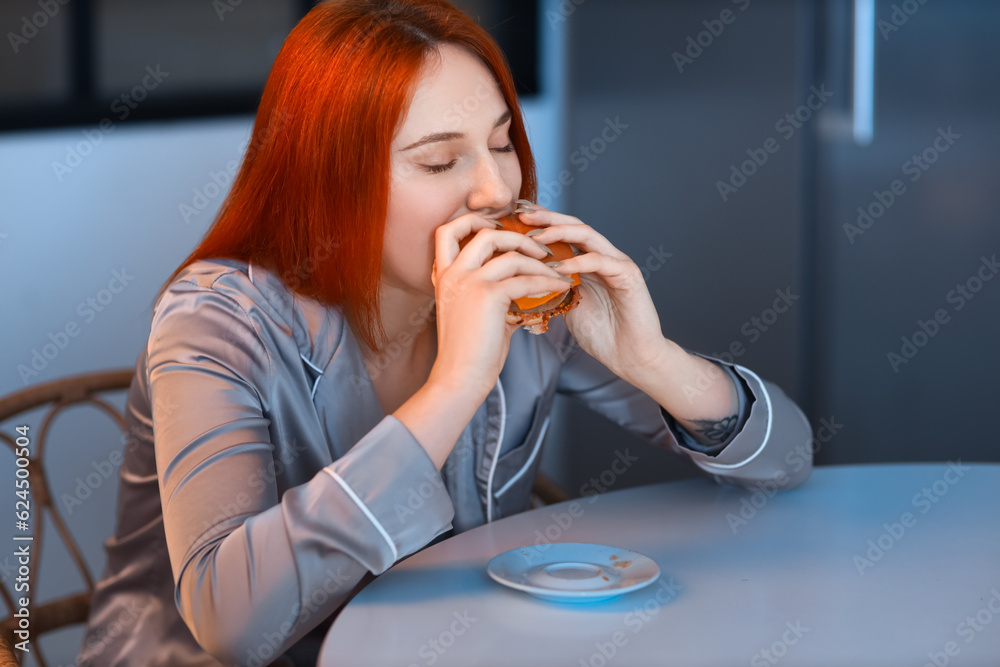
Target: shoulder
207, 292
228, 278
252, 299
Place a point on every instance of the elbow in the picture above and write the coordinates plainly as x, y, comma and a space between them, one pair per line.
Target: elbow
793, 443
231, 644
225, 650
786, 460
227, 632
222, 640
783, 463
236, 628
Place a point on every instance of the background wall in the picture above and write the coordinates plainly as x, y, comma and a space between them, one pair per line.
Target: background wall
702, 88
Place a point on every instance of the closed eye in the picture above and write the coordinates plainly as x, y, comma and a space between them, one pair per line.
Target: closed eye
439, 168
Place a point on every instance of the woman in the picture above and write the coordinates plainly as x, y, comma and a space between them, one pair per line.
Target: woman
321, 409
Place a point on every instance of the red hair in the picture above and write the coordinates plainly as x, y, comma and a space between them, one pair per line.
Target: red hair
311, 197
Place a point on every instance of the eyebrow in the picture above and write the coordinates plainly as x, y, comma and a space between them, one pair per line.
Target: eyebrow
450, 136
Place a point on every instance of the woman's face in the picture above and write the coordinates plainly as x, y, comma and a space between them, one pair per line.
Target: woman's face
451, 156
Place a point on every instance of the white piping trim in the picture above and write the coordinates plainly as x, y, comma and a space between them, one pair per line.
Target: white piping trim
767, 431
496, 455
531, 459
313, 366
367, 512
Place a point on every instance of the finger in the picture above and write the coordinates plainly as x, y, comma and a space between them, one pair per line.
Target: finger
519, 287
539, 215
581, 235
514, 263
611, 269
482, 247
525, 205
448, 236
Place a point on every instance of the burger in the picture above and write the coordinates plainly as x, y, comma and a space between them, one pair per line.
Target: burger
534, 311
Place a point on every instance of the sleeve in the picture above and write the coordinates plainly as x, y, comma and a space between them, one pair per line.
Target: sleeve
685, 438
254, 572
772, 444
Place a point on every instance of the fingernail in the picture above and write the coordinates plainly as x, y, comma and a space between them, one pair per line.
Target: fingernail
535, 232
521, 210
497, 223
566, 279
545, 248
524, 201
553, 264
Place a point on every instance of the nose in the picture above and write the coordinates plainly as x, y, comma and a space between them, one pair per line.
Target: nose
489, 192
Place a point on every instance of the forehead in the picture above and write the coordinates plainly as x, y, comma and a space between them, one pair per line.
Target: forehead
455, 92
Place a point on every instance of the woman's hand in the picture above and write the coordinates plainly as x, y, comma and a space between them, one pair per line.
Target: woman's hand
615, 321
473, 293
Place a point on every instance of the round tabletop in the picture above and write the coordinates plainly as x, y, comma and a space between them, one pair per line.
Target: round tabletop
861, 565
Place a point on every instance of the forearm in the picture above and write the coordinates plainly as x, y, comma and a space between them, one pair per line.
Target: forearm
351, 517
700, 396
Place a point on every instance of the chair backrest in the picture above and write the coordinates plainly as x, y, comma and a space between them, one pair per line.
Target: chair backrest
546, 492
34, 499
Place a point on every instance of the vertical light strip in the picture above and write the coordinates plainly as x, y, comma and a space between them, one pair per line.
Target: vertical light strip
863, 117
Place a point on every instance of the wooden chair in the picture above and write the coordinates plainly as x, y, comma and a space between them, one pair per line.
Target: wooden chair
546, 492
57, 395
7, 656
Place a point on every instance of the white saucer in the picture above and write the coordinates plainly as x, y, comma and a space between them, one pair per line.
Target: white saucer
573, 571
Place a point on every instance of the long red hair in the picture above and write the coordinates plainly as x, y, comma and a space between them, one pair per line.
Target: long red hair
311, 197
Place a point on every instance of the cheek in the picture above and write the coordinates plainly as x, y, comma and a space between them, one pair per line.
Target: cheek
512, 174
414, 215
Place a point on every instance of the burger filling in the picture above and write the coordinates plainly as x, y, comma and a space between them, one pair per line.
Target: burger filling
556, 301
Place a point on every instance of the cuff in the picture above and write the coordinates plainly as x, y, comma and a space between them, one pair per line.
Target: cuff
383, 500
684, 438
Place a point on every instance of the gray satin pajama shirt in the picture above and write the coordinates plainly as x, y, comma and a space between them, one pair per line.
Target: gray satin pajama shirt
277, 485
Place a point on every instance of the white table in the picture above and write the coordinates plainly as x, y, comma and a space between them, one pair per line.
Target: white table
862, 565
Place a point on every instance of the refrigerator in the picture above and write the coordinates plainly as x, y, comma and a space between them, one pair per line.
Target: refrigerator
823, 176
